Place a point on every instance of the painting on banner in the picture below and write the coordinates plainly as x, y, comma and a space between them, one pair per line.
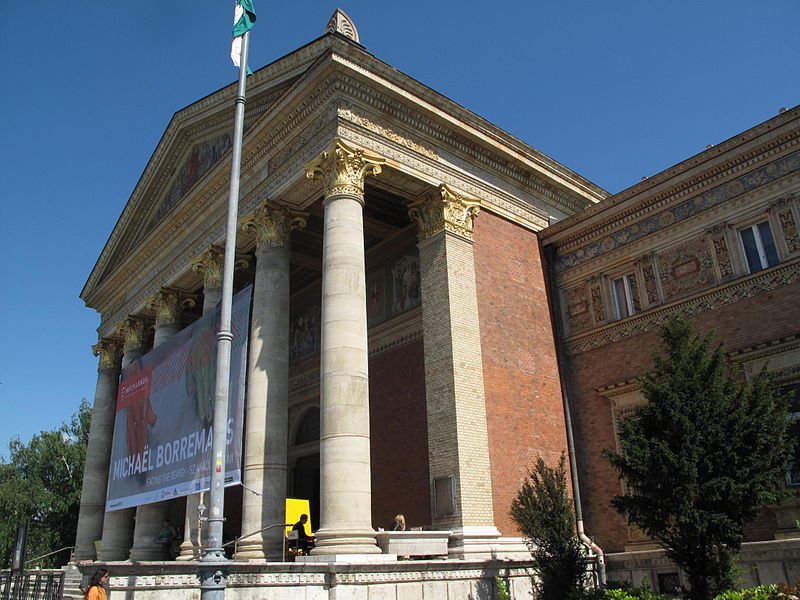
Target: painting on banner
165, 407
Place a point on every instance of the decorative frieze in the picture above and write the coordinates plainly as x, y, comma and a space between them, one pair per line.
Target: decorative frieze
685, 268
273, 223
596, 291
719, 243
348, 114
578, 313
445, 210
343, 169
681, 211
762, 282
645, 264
788, 224
110, 352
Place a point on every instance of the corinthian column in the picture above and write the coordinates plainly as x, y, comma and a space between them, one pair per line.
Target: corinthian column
166, 304
346, 502
98, 451
118, 524
266, 437
458, 447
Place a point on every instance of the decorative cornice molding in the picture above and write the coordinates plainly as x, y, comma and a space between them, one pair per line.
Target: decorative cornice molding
764, 281
110, 352
343, 169
668, 216
445, 210
273, 223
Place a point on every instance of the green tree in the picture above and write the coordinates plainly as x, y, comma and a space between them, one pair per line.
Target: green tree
543, 511
701, 457
41, 483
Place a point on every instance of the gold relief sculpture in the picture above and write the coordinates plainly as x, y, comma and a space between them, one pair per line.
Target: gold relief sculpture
445, 210
210, 265
596, 294
110, 352
272, 224
343, 169
132, 331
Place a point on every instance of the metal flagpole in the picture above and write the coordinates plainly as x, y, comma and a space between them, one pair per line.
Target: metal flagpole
213, 564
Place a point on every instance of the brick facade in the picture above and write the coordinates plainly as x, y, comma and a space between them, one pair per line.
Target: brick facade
524, 410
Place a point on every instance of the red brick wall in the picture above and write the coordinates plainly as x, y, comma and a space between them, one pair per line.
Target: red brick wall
399, 436
523, 397
743, 324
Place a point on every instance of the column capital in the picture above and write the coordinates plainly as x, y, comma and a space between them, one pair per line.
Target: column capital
343, 169
132, 330
110, 352
445, 210
272, 224
167, 304
210, 264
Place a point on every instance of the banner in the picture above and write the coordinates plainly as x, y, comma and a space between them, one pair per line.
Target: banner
165, 408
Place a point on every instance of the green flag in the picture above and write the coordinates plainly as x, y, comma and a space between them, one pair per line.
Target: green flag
244, 16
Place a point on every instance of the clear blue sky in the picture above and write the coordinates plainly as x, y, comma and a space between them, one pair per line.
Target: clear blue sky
613, 89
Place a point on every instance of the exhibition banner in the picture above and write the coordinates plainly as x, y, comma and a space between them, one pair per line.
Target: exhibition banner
165, 409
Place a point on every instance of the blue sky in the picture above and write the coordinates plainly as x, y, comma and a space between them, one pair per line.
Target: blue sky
614, 89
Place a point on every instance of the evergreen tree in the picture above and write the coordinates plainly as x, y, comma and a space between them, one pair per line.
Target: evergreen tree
701, 457
543, 511
41, 484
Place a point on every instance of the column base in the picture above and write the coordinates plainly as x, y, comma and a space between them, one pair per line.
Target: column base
479, 542
188, 551
345, 541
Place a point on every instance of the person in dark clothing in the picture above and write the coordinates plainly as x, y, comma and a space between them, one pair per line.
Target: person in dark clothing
304, 541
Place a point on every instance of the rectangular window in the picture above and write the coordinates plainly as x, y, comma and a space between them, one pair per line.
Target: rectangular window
626, 295
759, 247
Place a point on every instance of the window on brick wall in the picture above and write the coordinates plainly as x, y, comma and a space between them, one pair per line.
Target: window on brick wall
626, 295
759, 246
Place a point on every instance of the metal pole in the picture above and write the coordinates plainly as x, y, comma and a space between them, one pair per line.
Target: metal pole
213, 564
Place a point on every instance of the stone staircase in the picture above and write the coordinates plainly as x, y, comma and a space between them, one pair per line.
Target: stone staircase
72, 582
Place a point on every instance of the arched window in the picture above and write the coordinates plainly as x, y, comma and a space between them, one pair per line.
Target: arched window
308, 429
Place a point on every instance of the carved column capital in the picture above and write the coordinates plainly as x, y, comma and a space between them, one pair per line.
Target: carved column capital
132, 330
272, 224
166, 304
445, 210
110, 352
210, 264
343, 169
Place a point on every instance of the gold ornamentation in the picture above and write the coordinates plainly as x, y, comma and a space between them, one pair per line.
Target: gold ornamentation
596, 294
343, 169
110, 352
272, 224
210, 265
721, 253
445, 210
788, 224
165, 304
132, 331
389, 134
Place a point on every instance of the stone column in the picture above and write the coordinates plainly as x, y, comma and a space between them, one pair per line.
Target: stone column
118, 524
346, 495
166, 304
209, 264
266, 437
458, 447
98, 451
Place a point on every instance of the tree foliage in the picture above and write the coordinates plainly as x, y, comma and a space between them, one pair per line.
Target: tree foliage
41, 483
701, 457
543, 511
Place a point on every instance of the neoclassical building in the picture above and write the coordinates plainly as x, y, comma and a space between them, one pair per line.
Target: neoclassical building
402, 351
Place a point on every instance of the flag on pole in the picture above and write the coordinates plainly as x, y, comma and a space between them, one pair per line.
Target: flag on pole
244, 15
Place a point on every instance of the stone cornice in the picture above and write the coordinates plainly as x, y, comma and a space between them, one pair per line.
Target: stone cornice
747, 150
785, 274
663, 214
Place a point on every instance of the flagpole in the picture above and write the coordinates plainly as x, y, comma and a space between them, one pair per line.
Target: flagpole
213, 571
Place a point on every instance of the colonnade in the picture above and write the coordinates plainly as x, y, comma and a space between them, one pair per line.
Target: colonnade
456, 413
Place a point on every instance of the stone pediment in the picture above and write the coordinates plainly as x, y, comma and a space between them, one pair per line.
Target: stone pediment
331, 87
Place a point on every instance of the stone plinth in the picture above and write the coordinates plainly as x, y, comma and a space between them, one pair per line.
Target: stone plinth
414, 544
